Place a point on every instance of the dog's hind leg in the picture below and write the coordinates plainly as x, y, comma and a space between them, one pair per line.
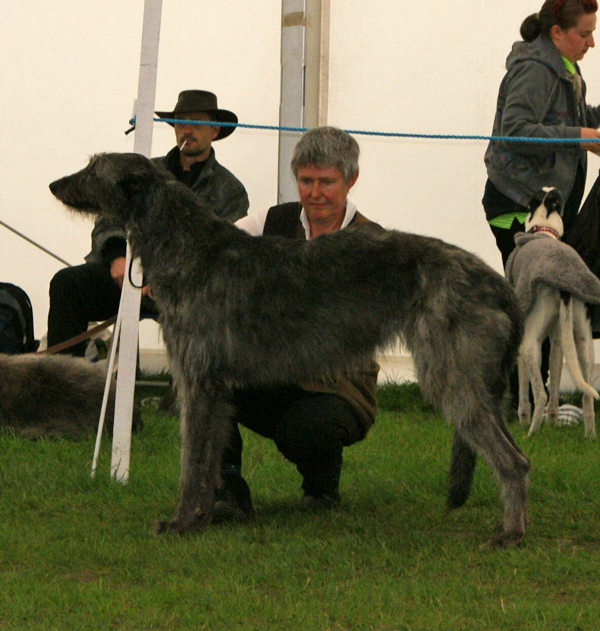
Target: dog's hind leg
474, 406
529, 363
205, 423
489, 438
524, 403
554, 376
537, 325
584, 343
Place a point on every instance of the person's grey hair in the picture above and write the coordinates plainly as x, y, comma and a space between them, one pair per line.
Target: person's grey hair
327, 146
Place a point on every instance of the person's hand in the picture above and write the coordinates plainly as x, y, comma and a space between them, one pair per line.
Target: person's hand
117, 270
593, 134
117, 273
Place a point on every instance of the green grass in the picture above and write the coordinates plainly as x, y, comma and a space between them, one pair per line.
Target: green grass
77, 553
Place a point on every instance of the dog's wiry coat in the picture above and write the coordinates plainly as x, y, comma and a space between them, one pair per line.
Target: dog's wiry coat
238, 310
52, 395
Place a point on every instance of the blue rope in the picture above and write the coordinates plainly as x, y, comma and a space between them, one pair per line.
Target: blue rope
174, 121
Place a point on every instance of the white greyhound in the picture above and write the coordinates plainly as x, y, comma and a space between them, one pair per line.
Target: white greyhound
555, 289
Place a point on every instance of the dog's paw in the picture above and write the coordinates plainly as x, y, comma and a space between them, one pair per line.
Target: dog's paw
503, 540
178, 526
172, 527
164, 526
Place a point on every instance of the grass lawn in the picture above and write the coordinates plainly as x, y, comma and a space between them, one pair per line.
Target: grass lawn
77, 553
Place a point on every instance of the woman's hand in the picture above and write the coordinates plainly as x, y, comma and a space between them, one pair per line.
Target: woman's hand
592, 134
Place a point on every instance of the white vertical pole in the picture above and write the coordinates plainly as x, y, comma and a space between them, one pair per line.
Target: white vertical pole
291, 107
129, 307
316, 62
304, 79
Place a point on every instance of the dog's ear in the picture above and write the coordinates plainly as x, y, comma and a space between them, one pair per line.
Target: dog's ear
139, 180
131, 174
554, 202
536, 201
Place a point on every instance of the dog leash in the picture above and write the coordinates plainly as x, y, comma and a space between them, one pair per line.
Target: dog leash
86, 335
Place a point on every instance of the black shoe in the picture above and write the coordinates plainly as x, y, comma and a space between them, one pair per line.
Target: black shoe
233, 501
321, 501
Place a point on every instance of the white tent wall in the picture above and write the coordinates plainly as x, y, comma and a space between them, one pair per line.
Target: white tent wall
68, 80
429, 68
69, 76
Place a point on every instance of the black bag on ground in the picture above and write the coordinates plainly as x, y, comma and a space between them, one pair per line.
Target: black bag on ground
16, 321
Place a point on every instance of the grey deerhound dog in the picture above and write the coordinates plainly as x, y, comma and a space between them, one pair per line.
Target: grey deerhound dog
238, 310
52, 395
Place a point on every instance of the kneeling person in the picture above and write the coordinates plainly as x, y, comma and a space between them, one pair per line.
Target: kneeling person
310, 423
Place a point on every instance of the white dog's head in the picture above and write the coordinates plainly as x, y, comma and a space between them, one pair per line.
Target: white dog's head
545, 212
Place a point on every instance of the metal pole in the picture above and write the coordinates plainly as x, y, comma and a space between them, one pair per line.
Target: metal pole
37, 245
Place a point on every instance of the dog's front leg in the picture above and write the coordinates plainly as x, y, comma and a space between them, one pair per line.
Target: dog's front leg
537, 325
205, 422
524, 403
540, 398
584, 344
554, 376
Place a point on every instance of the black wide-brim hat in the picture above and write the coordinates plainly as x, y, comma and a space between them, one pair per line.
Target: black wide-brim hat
191, 101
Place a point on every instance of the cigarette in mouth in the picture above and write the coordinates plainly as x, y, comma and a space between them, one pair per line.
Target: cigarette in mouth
182, 145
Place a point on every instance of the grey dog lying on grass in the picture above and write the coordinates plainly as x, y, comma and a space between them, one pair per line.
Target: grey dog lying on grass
238, 311
53, 395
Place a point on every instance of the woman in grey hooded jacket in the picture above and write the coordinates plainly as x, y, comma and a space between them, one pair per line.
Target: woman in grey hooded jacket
542, 95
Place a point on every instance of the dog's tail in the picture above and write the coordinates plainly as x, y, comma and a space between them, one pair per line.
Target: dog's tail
462, 469
567, 341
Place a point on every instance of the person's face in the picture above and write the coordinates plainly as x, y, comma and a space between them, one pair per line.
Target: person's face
323, 192
194, 141
574, 42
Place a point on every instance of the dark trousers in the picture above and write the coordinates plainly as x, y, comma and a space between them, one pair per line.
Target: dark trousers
309, 429
505, 239
80, 295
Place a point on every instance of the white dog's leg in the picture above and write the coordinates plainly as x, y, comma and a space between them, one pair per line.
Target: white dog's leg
524, 404
554, 375
539, 321
584, 343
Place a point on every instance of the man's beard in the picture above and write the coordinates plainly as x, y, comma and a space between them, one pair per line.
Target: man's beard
191, 151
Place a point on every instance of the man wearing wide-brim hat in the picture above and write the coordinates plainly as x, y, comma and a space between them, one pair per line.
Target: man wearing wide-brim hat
194, 101
91, 292
193, 159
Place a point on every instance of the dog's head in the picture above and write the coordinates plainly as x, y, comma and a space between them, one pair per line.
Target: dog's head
545, 212
112, 185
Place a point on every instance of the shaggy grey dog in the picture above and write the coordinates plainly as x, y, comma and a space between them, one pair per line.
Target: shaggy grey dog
238, 310
52, 395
